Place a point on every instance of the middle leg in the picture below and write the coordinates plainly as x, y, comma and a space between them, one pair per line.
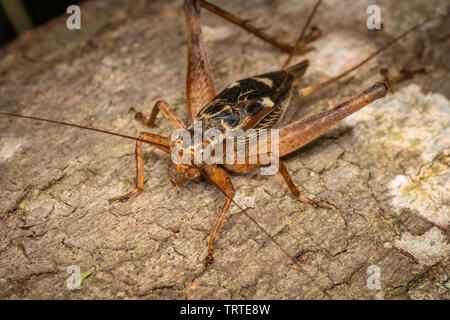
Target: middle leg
287, 178
315, 203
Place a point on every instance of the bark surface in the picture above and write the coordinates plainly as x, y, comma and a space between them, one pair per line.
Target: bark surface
385, 167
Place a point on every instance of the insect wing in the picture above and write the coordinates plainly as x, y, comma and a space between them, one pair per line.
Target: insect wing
244, 103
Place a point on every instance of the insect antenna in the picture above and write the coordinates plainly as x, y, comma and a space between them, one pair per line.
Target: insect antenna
162, 145
302, 34
311, 89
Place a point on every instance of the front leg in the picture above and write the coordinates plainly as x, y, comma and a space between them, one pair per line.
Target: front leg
222, 180
159, 142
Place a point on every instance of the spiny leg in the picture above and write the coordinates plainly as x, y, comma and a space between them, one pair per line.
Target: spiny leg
166, 109
298, 194
306, 91
199, 82
299, 49
284, 173
403, 75
140, 164
222, 180
301, 132
303, 39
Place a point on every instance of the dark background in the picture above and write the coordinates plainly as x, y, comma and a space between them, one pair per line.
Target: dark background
39, 12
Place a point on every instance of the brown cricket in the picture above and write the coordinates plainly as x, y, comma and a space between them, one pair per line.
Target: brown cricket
253, 103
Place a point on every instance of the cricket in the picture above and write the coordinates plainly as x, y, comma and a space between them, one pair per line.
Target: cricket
258, 103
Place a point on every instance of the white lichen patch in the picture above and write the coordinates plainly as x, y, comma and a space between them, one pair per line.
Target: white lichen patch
333, 62
409, 122
427, 192
216, 33
428, 248
9, 147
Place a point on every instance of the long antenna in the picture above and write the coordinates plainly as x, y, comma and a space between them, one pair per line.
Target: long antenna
311, 89
160, 145
302, 34
156, 145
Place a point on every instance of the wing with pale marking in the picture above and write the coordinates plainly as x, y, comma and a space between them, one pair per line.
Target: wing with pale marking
256, 102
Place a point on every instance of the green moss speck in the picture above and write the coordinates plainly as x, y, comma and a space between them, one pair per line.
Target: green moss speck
414, 142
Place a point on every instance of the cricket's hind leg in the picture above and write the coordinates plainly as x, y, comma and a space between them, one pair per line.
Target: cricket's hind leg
301, 45
199, 82
403, 75
303, 38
